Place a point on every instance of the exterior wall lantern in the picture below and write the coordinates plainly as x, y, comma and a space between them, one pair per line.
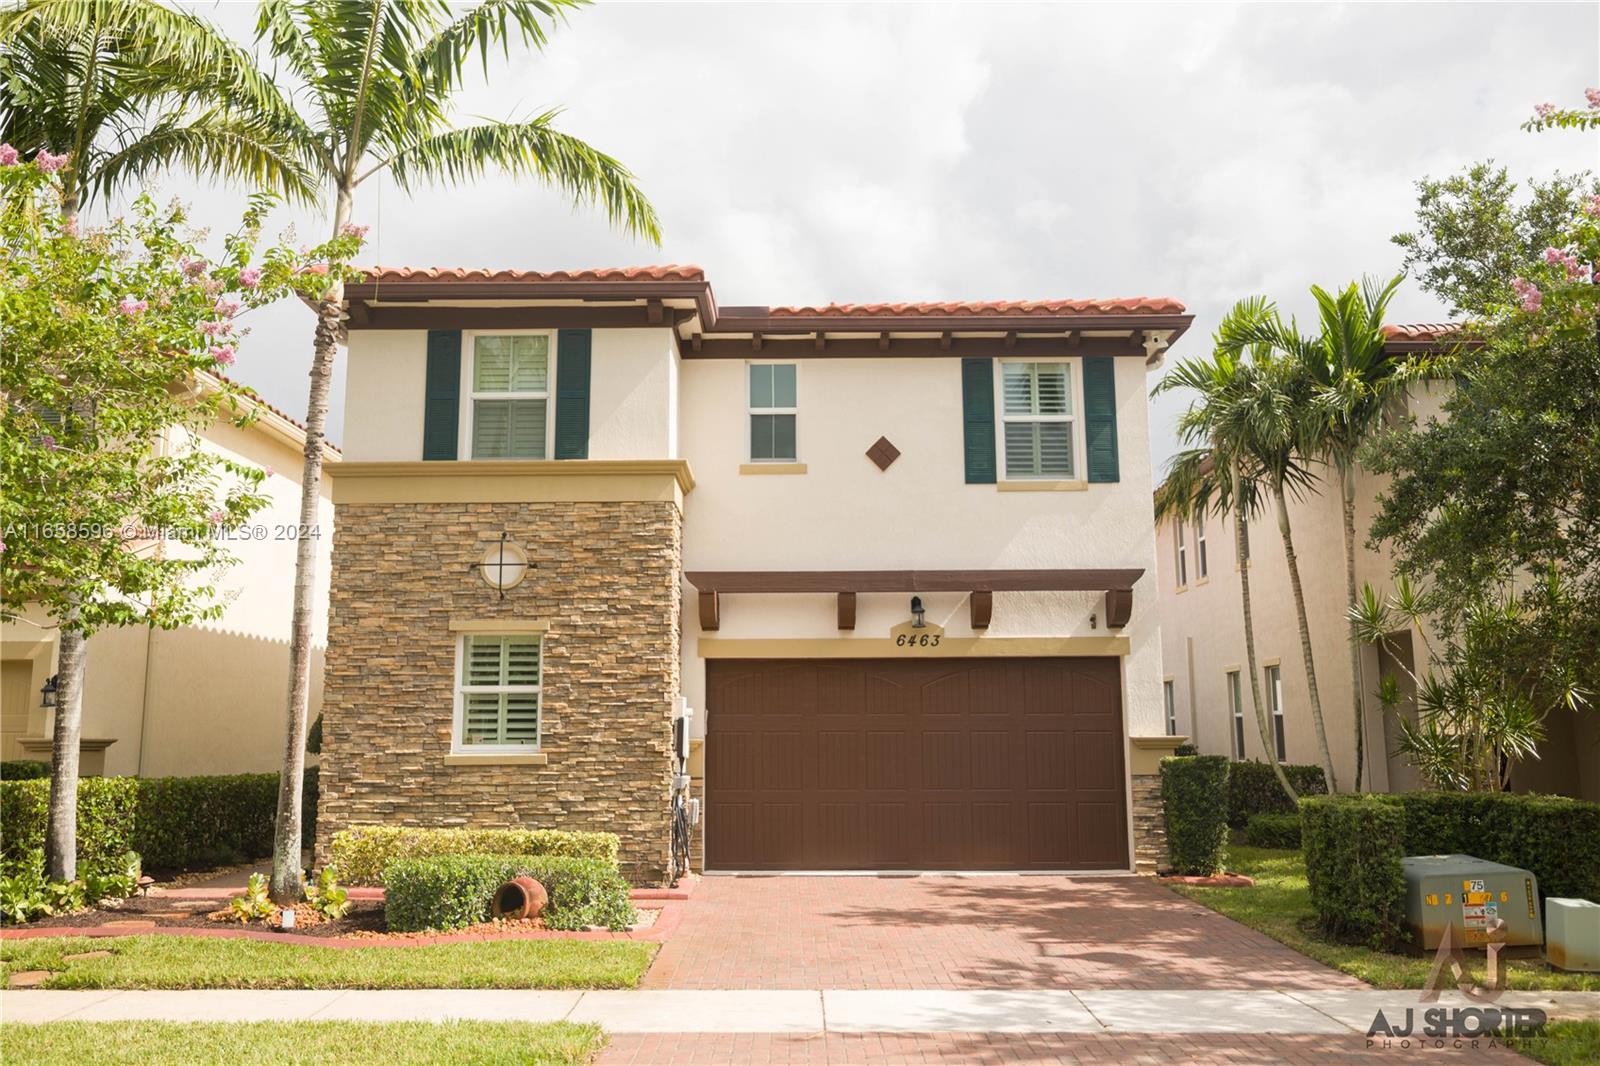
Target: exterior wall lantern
919, 616
47, 695
503, 566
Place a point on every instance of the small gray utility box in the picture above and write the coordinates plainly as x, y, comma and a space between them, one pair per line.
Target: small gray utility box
1478, 900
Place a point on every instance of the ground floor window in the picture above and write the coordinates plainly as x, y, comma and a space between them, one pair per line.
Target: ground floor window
1169, 700
1236, 698
497, 692
1275, 704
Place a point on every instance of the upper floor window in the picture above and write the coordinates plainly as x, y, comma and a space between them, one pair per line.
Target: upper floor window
1200, 567
773, 411
1036, 409
509, 394
1182, 554
497, 692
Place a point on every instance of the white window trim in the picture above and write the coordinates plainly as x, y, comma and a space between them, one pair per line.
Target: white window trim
1235, 684
750, 410
1074, 367
1169, 701
468, 396
1181, 555
458, 746
1201, 561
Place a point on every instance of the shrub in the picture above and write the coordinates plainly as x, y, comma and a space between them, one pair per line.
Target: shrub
1353, 847
1273, 831
1253, 789
1556, 838
454, 891
1194, 791
361, 853
106, 818
22, 769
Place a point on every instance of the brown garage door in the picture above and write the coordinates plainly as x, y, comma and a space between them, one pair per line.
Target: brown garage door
996, 764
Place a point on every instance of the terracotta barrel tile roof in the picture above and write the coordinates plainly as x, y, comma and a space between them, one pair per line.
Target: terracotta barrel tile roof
1422, 331
669, 272
1160, 305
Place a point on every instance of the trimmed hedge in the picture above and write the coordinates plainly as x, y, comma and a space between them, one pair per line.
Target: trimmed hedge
1194, 792
172, 822
1557, 838
1273, 831
455, 891
362, 853
1353, 846
1253, 789
106, 819
22, 769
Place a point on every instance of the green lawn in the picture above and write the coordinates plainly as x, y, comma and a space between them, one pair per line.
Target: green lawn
192, 962
123, 1043
1280, 906
1566, 1044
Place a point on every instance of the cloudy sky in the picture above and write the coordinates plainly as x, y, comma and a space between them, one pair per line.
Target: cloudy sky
808, 153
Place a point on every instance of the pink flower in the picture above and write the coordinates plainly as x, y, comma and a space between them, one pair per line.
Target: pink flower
216, 329
3, 543
1544, 110
267, 470
1593, 96
1591, 207
1577, 271
9, 156
227, 308
1553, 255
223, 354
1528, 294
192, 267
49, 442
217, 517
48, 163
350, 229
130, 307
70, 227
249, 279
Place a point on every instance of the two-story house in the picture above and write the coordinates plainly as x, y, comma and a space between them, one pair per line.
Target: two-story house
893, 562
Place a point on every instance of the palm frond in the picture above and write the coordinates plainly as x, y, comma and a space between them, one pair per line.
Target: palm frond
211, 142
441, 60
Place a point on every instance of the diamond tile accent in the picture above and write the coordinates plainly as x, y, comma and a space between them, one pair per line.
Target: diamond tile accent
883, 453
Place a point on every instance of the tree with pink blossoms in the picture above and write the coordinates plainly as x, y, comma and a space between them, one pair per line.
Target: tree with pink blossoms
112, 512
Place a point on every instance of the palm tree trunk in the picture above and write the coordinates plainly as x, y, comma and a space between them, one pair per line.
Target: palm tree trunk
288, 885
1347, 495
1305, 635
1242, 557
61, 832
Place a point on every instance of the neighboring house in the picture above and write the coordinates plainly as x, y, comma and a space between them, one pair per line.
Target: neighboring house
1206, 689
207, 698
574, 505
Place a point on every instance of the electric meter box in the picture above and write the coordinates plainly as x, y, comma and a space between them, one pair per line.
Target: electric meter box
1481, 902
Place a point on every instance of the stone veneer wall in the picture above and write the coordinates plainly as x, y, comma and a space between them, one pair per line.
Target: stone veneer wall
607, 581
1149, 825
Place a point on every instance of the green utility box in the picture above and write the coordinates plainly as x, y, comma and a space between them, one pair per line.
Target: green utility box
1481, 902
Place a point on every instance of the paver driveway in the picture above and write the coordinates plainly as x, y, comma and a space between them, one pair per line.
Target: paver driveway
967, 932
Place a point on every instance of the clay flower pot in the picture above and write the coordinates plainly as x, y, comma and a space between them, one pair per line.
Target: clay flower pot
521, 897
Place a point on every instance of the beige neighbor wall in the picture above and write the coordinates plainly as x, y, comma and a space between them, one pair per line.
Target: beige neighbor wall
1202, 637
843, 513
206, 698
633, 379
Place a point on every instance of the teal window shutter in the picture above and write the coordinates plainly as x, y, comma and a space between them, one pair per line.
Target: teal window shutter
572, 393
441, 409
977, 419
1100, 417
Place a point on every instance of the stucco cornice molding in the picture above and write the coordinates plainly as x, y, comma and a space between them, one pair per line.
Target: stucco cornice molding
512, 481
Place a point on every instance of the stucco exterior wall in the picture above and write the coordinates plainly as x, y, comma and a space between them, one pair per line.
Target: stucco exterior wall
207, 698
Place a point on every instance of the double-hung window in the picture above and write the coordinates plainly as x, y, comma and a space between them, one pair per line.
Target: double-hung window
1275, 705
774, 409
497, 692
1169, 698
1236, 699
509, 395
1183, 554
1036, 409
1200, 567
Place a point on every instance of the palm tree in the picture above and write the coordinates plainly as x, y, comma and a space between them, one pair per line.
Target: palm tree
1219, 473
376, 78
124, 89
1354, 381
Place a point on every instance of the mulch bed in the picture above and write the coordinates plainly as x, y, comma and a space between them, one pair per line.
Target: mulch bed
365, 916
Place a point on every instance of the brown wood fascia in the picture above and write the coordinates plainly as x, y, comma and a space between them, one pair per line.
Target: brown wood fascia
709, 346
836, 581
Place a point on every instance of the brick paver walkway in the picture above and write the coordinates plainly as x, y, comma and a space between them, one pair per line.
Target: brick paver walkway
994, 1049
967, 932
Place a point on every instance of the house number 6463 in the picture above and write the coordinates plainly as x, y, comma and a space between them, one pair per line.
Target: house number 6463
917, 640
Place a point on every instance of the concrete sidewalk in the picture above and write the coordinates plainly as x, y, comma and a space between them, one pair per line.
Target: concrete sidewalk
1130, 1011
